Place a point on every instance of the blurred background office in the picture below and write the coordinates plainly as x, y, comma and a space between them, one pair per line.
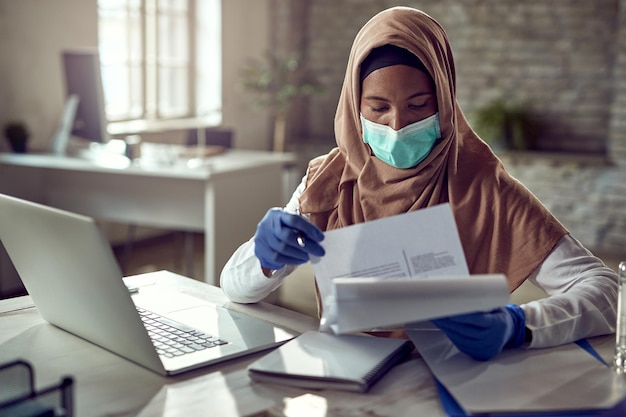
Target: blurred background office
543, 81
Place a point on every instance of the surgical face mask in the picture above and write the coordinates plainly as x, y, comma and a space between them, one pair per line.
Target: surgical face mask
404, 148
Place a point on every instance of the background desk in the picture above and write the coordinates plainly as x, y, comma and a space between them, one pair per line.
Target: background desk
225, 198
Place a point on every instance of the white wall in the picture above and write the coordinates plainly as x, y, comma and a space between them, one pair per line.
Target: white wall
245, 29
33, 32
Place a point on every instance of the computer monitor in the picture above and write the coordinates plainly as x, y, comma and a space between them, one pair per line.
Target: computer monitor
83, 80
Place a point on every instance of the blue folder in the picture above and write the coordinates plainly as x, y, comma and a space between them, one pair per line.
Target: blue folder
453, 409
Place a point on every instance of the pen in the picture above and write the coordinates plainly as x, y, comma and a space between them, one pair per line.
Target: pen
300, 238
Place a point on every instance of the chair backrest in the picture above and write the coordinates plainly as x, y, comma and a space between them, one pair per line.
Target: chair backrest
213, 137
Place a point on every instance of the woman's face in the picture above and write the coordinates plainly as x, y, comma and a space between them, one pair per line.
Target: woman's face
397, 96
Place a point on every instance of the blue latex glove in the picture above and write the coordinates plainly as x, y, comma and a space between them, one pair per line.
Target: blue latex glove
286, 239
483, 335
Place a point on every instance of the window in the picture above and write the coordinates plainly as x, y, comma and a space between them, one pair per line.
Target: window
160, 59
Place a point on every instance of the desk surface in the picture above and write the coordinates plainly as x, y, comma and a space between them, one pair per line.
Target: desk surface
157, 166
107, 385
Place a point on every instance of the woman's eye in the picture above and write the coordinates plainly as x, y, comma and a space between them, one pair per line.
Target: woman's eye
417, 106
380, 109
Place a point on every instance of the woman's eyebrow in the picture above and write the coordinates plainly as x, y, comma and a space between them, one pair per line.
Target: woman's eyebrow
378, 98
421, 93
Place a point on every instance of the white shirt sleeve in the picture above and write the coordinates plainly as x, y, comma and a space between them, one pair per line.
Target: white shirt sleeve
242, 279
582, 296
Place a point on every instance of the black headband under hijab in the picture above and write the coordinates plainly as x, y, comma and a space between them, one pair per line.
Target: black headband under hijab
386, 56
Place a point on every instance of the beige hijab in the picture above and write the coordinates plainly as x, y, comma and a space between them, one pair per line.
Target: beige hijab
503, 227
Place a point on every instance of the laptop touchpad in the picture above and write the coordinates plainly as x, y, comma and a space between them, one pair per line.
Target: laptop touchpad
226, 324
218, 321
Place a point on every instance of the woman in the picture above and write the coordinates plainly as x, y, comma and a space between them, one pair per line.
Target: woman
404, 144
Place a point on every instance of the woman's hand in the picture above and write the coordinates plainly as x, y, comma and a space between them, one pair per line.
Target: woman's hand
283, 238
483, 335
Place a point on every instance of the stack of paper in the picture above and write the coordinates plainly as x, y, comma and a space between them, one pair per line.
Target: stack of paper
367, 303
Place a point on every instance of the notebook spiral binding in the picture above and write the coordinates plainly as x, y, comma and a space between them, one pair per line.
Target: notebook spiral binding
392, 360
19, 398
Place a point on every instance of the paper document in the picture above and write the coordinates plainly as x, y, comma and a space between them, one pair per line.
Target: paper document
367, 303
560, 379
419, 244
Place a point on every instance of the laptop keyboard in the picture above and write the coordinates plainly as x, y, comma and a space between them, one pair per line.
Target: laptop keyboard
173, 339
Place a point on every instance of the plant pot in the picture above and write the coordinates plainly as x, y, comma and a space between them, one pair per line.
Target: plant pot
17, 136
280, 127
19, 145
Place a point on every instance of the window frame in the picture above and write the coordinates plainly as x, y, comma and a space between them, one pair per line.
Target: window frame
203, 93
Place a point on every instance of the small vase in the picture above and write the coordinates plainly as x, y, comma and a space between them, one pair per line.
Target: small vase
17, 135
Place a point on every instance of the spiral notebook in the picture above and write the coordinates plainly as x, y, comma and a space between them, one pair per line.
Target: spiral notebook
318, 360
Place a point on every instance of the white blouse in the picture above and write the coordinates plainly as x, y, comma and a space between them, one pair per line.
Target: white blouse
581, 302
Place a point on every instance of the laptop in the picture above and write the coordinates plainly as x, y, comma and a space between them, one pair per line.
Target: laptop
68, 268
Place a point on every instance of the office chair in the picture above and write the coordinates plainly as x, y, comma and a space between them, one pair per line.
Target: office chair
212, 137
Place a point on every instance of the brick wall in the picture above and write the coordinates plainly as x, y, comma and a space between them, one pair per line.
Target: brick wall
565, 59
617, 133
584, 193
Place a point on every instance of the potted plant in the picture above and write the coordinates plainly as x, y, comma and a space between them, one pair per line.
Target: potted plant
506, 125
276, 82
17, 134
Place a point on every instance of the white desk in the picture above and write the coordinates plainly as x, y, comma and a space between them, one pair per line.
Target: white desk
225, 198
107, 385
